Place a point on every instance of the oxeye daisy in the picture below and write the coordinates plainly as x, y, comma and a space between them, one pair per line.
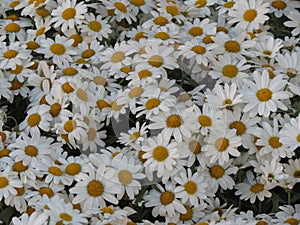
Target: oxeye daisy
249, 14
192, 187
290, 134
268, 47
221, 144
94, 188
38, 117
59, 50
253, 188
288, 215
294, 21
158, 20
165, 202
199, 8
95, 27
35, 218
120, 9
264, 95
282, 7
160, 154
289, 64
14, 29
292, 169
8, 183
88, 53
68, 14
199, 28
137, 6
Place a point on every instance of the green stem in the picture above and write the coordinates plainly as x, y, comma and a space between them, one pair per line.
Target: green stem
289, 197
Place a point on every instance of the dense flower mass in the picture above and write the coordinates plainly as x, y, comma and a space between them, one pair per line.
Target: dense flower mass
147, 112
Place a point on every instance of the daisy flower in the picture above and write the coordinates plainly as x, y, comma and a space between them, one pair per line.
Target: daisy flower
34, 219
9, 181
220, 145
120, 9
288, 214
14, 29
95, 188
288, 64
199, 8
283, 7
268, 46
252, 189
165, 202
59, 50
294, 21
68, 14
88, 53
160, 154
192, 187
158, 19
95, 27
264, 95
249, 14
290, 134
129, 174
292, 169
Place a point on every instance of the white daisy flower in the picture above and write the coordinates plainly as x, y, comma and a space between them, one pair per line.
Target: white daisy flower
120, 9
264, 95
199, 28
292, 169
283, 7
253, 189
249, 14
294, 21
268, 46
192, 187
9, 181
68, 14
35, 218
288, 215
14, 29
288, 64
221, 144
290, 134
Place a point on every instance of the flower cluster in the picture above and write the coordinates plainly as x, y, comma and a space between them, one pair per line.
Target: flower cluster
150, 112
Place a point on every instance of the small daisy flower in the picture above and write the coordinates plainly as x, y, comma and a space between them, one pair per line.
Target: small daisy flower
158, 19
38, 117
268, 47
192, 187
165, 202
8, 183
14, 29
68, 14
290, 134
289, 64
264, 94
292, 169
283, 7
120, 9
220, 145
34, 219
253, 189
288, 215
294, 21
198, 28
249, 14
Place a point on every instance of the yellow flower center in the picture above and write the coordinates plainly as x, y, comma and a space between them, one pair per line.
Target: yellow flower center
95, 188
162, 21
221, 144
70, 71
264, 94
140, 156
239, 126
31, 150
9, 54
57, 49
195, 147
20, 191
46, 191
222, 29
156, 61
67, 88
125, 177
32, 45
140, 35
121, 7
55, 109
292, 221
217, 171
172, 9
73, 169
205, 121
199, 49
56, 171
4, 152
261, 222
160, 153
34, 120
274, 142
196, 31
202, 223
174, 121
134, 136
207, 39
88, 53
66, 217
99, 80
19, 167
227, 101
256, 188
188, 215
3, 182
107, 209
297, 174
115, 106
117, 57
102, 104
232, 46
250, 15
3, 136
77, 39
69, 13
95, 26
14, 4
42, 12
229, 4
81, 94
92, 134
152, 103
279, 4
291, 72
200, 3
137, 2
136, 92
70, 125
162, 35
144, 74
12, 28
230, 71
190, 187
167, 198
